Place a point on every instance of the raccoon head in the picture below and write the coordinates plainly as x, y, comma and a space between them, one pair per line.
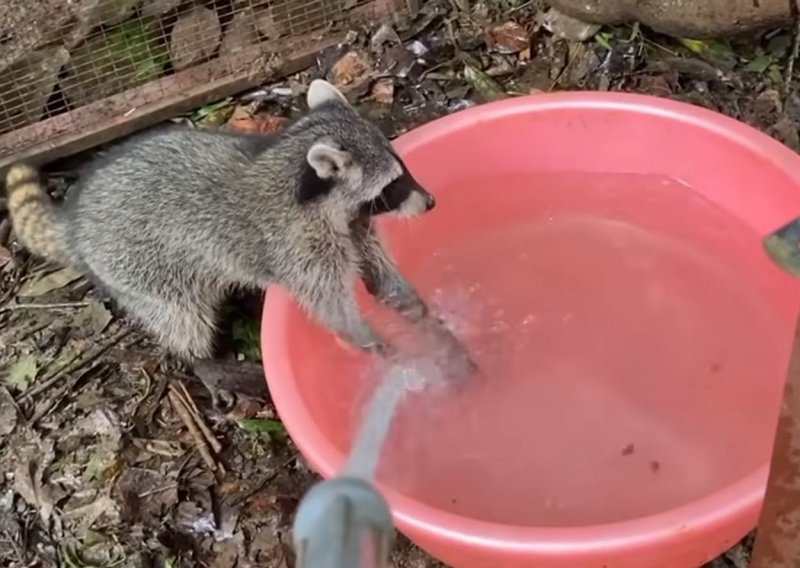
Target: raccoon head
349, 160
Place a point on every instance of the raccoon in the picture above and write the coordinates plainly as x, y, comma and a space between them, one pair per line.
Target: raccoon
171, 220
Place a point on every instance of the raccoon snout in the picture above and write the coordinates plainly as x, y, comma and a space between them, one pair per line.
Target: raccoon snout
417, 203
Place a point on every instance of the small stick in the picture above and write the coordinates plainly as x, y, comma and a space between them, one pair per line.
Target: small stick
191, 407
186, 417
157, 490
56, 306
789, 76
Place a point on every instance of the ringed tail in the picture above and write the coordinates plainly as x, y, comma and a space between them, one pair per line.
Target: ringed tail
34, 215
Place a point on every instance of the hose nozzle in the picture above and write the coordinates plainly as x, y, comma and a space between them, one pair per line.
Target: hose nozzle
343, 523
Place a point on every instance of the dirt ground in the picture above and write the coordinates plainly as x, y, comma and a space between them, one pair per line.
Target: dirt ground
113, 456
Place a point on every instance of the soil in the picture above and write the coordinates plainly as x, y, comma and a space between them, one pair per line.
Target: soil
102, 447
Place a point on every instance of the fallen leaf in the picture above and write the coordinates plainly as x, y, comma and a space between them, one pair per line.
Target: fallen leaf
22, 373
778, 47
5, 256
786, 131
507, 38
85, 516
759, 64
145, 495
94, 318
384, 35
49, 282
227, 554
8, 413
717, 52
261, 425
352, 66
29, 480
383, 91
487, 88
215, 114
243, 121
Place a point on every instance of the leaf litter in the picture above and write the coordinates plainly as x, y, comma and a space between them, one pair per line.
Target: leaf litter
114, 456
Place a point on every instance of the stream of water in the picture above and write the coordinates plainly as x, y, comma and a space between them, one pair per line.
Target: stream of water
398, 380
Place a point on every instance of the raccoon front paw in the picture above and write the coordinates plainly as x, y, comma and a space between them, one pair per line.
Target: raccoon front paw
452, 355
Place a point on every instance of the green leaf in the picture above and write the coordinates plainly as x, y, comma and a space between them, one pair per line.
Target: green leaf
604, 40
775, 74
778, 47
759, 65
21, 374
215, 114
719, 52
261, 425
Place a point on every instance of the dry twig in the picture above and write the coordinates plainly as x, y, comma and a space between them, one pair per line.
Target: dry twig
183, 410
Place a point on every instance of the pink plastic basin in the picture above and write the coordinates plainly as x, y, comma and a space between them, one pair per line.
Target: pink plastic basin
601, 256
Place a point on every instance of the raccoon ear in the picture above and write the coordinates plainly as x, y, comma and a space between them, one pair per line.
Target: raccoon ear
328, 161
320, 91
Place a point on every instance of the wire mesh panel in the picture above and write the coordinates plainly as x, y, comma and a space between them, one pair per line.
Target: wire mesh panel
71, 67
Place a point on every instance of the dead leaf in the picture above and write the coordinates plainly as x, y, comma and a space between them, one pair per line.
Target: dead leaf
5, 256
508, 38
383, 91
29, 480
22, 373
787, 131
85, 516
49, 282
487, 88
243, 121
8, 413
145, 495
385, 35
228, 553
352, 66
94, 318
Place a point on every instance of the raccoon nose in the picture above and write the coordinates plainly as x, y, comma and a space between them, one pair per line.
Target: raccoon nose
430, 202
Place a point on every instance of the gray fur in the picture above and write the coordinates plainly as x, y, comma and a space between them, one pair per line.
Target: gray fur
171, 220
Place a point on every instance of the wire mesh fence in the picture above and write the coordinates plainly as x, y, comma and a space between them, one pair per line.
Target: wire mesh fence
68, 65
